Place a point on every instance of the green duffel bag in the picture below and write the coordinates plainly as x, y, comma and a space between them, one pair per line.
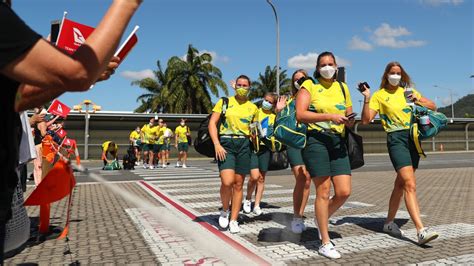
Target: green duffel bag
114, 165
288, 130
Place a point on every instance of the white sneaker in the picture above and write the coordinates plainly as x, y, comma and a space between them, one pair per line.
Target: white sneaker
151, 167
164, 166
257, 210
329, 251
247, 206
392, 229
224, 219
426, 235
145, 166
297, 225
137, 163
234, 227
184, 166
177, 164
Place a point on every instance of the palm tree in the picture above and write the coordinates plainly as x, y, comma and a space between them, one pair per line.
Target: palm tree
191, 82
154, 101
267, 83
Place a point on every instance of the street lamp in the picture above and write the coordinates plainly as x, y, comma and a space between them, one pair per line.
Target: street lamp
86, 104
451, 96
277, 47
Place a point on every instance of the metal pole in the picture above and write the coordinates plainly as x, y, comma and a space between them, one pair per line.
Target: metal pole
86, 135
452, 103
277, 47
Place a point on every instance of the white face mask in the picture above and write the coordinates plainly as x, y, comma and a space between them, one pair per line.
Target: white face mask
327, 72
182, 124
394, 79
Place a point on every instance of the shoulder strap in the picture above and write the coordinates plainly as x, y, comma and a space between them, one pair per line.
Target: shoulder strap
342, 89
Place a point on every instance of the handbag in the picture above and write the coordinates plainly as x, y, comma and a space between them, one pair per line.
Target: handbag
354, 144
288, 130
355, 149
278, 161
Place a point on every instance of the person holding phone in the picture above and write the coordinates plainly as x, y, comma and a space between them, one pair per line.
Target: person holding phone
260, 159
392, 102
33, 72
232, 149
324, 108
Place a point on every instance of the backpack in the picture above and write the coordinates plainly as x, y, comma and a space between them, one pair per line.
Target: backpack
287, 129
129, 159
203, 143
188, 137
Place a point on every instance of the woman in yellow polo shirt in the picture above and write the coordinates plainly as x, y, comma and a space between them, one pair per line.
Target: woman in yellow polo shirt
260, 160
233, 149
392, 102
136, 143
324, 107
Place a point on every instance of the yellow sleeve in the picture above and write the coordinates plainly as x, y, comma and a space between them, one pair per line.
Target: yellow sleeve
348, 95
374, 103
218, 107
307, 84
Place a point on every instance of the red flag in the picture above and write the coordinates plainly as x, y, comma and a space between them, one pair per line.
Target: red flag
127, 47
57, 184
72, 35
70, 143
59, 108
61, 133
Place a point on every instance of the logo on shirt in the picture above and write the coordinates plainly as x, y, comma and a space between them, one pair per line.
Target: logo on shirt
78, 37
388, 99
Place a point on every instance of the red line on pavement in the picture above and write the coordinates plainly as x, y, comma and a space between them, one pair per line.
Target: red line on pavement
209, 227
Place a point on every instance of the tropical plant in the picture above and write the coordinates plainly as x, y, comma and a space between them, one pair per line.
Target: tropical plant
266, 82
154, 101
191, 82
184, 87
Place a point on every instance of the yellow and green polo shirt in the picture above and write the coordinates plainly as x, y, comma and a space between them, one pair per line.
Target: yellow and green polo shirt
181, 132
160, 134
134, 135
392, 108
149, 134
238, 117
328, 98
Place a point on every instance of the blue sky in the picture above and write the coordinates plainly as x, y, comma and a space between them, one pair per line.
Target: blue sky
432, 39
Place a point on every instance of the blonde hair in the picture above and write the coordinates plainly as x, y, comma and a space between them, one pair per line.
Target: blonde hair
302, 71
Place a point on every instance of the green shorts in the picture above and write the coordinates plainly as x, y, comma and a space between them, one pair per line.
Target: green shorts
168, 146
325, 154
163, 147
402, 150
183, 146
295, 156
157, 148
148, 147
238, 155
261, 160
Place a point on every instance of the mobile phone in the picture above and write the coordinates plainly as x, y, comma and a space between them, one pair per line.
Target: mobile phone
408, 92
55, 24
361, 87
351, 116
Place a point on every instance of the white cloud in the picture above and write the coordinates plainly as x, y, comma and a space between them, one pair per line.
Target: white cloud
136, 75
308, 61
385, 36
357, 43
441, 2
215, 56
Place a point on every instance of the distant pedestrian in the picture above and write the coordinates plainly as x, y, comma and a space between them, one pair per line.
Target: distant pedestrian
148, 139
181, 136
109, 150
392, 102
135, 141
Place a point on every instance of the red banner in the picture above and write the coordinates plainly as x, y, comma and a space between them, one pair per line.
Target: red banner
59, 108
70, 142
61, 133
72, 35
